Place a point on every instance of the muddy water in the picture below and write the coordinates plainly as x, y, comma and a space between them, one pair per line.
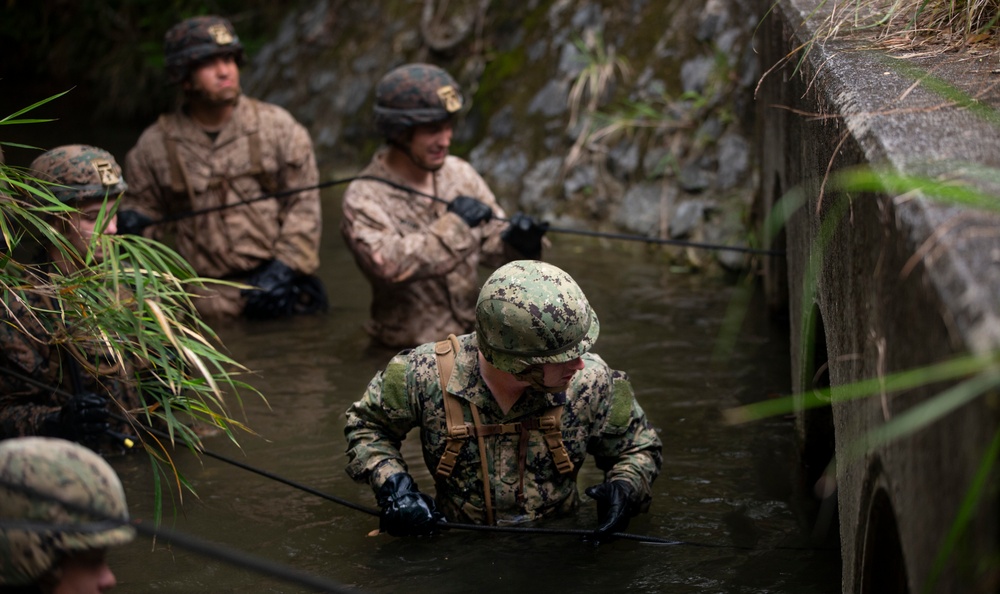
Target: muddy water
733, 488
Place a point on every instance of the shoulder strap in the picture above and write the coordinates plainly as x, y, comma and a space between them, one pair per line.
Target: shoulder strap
265, 179
458, 429
178, 177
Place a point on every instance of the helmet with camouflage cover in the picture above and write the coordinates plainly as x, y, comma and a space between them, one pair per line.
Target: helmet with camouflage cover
56, 498
77, 172
532, 313
197, 39
414, 94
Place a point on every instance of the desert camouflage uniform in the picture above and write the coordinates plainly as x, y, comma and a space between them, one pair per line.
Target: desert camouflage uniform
421, 261
32, 346
230, 243
600, 418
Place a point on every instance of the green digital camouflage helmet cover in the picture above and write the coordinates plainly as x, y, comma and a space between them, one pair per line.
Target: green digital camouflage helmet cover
531, 313
56, 498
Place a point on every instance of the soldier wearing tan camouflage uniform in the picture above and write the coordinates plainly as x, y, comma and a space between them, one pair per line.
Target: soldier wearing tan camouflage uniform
54, 380
526, 403
221, 149
422, 255
61, 508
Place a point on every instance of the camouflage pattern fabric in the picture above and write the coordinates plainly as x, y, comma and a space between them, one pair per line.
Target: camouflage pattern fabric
195, 40
420, 259
74, 479
32, 346
600, 417
530, 313
415, 94
230, 243
79, 172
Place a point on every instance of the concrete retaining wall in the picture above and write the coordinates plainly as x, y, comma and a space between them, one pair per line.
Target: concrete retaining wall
902, 282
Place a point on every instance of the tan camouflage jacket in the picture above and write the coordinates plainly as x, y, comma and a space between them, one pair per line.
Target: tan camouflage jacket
31, 348
422, 261
600, 418
230, 242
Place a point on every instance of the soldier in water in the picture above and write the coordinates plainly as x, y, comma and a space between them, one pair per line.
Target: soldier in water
421, 255
507, 416
222, 150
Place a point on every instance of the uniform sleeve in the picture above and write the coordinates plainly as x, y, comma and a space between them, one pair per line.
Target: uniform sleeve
301, 218
378, 423
495, 251
385, 252
626, 447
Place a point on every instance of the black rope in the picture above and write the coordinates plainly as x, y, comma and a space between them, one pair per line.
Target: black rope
211, 550
405, 188
375, 512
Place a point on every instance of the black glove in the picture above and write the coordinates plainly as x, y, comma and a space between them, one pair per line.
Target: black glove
616, 504
525, 235
131, 222
406, 511
84, 419
275, 294
472, 211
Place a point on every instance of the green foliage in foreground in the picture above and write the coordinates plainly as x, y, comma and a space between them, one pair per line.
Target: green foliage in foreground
134, 304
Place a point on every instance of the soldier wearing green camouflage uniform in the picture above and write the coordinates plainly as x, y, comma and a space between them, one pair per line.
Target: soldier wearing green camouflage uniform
54, 380
421, 255
221, 149
61, 508
529, 357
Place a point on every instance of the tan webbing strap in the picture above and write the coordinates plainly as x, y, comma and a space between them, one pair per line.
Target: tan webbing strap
551, 427
265, 179
178, 177
458, 429
487, 495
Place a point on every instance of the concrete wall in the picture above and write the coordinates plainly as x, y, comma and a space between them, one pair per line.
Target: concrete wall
902, 282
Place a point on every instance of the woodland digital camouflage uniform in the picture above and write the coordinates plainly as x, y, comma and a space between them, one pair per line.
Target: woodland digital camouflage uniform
422, 261
600, 417
37, 346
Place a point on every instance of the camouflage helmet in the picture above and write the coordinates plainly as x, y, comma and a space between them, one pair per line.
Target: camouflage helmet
56, 498
532, 313
197, 39
415, 94
79, 172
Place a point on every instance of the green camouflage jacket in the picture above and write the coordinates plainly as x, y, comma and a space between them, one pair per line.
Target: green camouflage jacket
35, 346
600, 418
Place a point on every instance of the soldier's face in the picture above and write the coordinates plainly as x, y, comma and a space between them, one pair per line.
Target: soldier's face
85, 573
559, 375
429, 145
81, 226
215, 81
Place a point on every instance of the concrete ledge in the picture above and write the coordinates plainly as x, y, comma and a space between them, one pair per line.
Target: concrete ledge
904, 281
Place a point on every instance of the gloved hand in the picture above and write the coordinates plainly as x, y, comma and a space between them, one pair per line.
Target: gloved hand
275, 293
616, 504
84, 419
525, 235
131, 222
472, 211
405, 510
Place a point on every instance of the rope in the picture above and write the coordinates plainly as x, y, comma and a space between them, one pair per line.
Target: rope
444, 525
404, 188
208, 549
